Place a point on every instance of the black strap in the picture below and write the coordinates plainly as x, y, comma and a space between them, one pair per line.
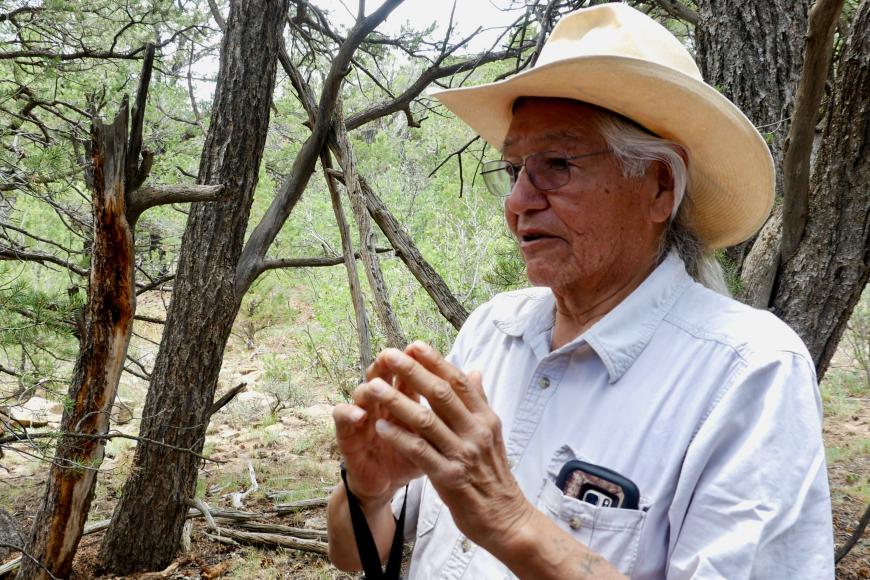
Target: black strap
365, 544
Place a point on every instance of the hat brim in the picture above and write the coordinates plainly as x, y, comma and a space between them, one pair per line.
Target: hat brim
730, 167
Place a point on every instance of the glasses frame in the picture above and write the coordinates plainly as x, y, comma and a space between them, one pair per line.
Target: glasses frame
512, 170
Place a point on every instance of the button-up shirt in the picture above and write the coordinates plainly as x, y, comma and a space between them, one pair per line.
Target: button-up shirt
710, 407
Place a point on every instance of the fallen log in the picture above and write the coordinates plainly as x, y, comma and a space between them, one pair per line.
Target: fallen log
273, 540
304, 533
301, 505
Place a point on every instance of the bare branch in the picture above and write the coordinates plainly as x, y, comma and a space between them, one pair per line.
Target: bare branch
17, 438
7, 253
216, 14
679, 10
303, 166
155, 284
431, 74
856, 535
35, 561
150, 319
135, 174
313, 262
148, 197
226, 398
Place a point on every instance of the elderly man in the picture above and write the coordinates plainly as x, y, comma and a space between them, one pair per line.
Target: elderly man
622, 418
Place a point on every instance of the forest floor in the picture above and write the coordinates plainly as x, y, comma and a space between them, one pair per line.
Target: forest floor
293, 456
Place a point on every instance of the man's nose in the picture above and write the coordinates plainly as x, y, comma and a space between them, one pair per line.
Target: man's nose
524, 196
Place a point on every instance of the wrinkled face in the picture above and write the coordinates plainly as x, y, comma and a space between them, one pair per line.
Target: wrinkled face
600, 230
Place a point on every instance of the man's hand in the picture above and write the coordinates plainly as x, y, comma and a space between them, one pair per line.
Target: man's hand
374, 469
458, 443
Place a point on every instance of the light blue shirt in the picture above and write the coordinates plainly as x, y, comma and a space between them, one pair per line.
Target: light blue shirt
709, 406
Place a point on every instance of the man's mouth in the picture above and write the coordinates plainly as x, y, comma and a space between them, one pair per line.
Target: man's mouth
534, 236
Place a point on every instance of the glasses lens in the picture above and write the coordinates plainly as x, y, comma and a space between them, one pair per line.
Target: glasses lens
497, 177
548, 170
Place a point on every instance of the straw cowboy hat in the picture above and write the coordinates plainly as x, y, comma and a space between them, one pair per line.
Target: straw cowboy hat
615, 57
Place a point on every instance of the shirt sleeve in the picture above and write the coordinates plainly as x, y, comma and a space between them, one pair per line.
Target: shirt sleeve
753, 500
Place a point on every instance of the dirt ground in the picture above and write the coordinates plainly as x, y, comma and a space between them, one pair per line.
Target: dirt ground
294, 458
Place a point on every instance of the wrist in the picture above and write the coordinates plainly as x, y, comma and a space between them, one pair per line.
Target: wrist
368, 502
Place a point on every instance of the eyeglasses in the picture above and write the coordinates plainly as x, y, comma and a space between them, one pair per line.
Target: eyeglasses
547, 170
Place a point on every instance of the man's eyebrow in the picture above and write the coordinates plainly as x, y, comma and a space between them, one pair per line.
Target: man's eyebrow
556, 134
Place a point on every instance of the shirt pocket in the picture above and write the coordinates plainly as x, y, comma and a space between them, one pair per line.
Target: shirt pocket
612, 532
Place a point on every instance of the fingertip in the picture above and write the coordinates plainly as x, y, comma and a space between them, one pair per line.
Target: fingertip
356, 414
384, 427
391, 356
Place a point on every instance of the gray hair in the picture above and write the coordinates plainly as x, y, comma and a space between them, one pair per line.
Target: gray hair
635, 148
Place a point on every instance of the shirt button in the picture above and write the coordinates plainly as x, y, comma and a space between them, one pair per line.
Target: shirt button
466, 545
576, 523
544, 382
512, 462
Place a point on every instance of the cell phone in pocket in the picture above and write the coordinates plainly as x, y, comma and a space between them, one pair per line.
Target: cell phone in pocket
597, 485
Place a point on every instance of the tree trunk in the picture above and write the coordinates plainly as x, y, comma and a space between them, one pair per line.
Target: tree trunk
109, 316
817, 288
147, 524
752, 51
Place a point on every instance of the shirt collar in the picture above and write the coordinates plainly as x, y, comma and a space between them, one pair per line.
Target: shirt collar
621, 335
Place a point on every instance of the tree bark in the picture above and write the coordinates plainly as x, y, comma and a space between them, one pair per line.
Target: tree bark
111, 303
752, 51
817, 288
147, 524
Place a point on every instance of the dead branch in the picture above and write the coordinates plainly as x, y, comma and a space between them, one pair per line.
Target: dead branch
313, 262
224, 515
8, 253
545, 30
222, 540
301, 505
204, 510
799, 143
679, 10
150, 319
238, 497
395, 336
135, 173
226, 398
23, 552
132, 54
216, 14
425, 274
431, 74
17, 438
148, 197
154, 284
349, 259
274, 540
853, 539
304, 533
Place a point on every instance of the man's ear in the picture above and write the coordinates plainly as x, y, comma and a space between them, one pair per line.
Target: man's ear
663, 203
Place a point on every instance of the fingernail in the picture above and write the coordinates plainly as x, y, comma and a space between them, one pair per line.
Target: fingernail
356, 414
393, 357
378, 387
384, 426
